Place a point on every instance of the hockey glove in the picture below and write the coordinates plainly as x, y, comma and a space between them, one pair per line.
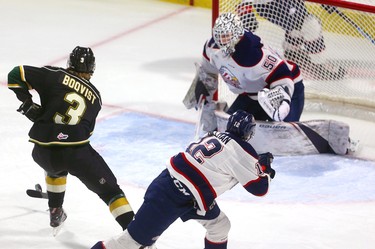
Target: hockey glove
201, 89
275, 102
264, 165
30, 109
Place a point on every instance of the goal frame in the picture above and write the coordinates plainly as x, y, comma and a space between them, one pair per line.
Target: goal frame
337, 3
366, 112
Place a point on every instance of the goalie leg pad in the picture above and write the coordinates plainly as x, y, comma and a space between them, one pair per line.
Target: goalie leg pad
208, 118
338, 137
222, 120
297, 138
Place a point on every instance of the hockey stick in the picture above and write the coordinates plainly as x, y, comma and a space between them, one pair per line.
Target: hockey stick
37, 192
198, 125
331, 9
359, 29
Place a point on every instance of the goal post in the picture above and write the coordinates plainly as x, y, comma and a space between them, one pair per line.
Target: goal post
333, 42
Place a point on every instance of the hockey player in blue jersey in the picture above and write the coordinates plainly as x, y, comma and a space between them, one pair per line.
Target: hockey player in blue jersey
268, 87
187, 189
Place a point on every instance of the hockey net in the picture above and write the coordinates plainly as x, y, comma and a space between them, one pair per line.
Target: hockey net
333, 43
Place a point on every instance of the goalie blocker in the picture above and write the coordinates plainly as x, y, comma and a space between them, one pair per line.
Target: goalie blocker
297, 138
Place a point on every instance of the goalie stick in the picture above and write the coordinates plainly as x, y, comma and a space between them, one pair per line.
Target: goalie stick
199, 126
37, 192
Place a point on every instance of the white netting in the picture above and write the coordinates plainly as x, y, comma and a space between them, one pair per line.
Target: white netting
334, 46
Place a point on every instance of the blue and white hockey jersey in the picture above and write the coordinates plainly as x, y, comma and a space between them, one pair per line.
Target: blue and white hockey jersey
252, 67
215, 164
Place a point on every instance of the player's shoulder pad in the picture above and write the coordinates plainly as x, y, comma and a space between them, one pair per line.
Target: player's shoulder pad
248, 51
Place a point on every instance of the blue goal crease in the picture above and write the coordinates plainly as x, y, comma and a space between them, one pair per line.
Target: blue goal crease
137, 146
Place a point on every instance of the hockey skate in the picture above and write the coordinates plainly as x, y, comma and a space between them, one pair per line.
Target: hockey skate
353, 146
100, 245
57, 218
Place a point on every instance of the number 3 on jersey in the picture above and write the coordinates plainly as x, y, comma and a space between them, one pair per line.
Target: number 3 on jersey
75, 111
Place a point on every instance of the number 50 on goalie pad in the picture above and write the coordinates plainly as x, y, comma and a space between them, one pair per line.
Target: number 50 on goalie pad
296, 138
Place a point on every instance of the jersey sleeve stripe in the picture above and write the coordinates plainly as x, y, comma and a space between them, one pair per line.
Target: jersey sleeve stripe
23, 77
191, 176
280, 72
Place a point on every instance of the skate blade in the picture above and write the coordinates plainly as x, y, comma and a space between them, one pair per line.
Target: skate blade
56, 230
353, 146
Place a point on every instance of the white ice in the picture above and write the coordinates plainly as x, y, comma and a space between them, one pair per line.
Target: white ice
145, 53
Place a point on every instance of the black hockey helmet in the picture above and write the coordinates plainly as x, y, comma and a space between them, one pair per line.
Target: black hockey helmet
82, 60
242, 124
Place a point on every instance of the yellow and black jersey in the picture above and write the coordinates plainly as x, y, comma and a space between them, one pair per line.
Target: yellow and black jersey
70, 104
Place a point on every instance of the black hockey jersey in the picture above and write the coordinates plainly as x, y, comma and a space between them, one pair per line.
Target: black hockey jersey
70, 104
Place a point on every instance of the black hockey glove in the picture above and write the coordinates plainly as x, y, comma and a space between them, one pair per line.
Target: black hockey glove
265, 161
30, 109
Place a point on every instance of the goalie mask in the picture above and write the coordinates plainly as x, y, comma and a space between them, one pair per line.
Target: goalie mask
82, 60
242, 124
227, 31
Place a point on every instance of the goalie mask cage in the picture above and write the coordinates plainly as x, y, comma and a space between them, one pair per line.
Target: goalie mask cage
339, 72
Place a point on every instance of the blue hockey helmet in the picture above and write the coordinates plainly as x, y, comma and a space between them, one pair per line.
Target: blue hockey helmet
82, 60
242, 124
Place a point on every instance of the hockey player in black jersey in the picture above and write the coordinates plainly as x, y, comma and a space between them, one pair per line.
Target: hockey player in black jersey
63, 123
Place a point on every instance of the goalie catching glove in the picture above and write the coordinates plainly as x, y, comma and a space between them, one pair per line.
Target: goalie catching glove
264, 165
30, 109
275, 102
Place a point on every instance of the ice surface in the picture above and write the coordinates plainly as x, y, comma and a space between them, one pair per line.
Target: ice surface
145, 53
